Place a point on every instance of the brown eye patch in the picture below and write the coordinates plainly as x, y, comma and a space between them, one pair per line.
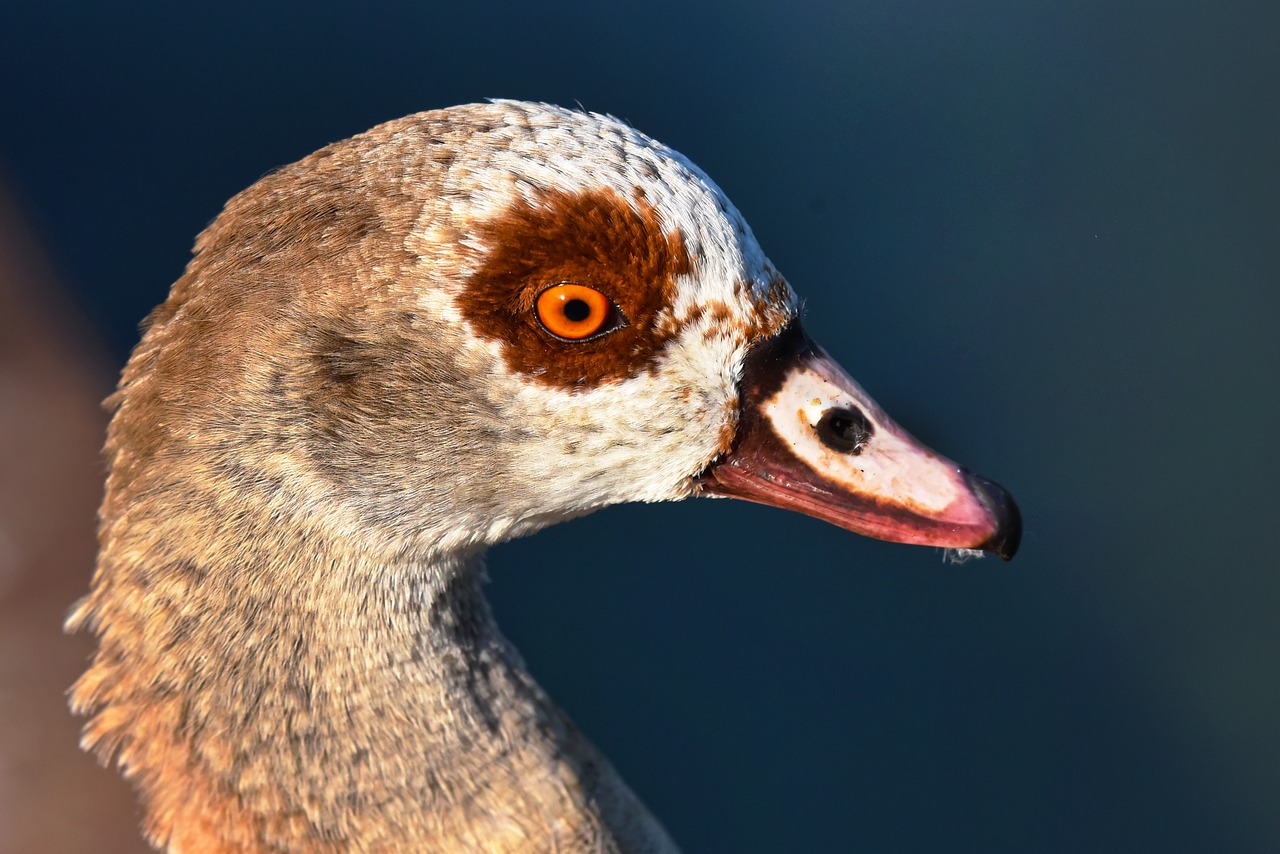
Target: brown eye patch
597, 239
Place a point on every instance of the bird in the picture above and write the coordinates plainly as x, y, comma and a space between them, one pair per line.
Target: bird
449, 331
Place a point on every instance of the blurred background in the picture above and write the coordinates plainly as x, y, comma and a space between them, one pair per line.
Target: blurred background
1046, 236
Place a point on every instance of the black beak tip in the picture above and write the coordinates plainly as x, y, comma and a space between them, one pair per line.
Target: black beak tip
1004, 542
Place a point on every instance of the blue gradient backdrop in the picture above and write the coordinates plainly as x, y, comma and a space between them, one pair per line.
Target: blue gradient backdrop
1044, 235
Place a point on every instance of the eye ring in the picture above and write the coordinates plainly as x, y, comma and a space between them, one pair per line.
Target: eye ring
573, 312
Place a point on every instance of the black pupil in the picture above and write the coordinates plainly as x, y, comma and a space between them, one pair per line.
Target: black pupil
844, 430
577, 310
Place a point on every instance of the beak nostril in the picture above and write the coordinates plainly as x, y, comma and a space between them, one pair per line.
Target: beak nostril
845, 430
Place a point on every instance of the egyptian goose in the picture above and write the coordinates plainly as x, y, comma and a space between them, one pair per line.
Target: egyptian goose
449, 331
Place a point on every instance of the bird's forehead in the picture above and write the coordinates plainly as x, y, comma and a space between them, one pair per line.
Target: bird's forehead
572, 197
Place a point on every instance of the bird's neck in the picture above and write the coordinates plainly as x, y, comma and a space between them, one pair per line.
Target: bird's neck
348, 708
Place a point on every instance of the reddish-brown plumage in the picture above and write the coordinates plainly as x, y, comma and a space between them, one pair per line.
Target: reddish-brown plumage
617, 246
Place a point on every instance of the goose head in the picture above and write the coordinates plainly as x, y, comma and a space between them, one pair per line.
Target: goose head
452, 330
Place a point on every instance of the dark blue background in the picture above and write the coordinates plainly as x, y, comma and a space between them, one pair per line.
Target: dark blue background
1044, 235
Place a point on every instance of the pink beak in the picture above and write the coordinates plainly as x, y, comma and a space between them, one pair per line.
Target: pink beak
810, 439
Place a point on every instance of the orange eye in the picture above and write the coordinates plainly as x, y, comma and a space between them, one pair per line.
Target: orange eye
575, 312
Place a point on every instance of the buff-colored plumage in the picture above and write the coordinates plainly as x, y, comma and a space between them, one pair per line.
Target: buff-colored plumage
322, 430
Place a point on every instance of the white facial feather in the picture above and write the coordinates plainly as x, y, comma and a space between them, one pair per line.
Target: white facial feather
642, 438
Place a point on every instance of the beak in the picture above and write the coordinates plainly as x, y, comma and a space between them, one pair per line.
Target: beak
810, 439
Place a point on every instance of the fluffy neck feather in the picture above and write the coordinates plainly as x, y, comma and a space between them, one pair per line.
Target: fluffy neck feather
333, 706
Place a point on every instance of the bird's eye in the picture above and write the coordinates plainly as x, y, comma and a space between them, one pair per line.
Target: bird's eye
576, 312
